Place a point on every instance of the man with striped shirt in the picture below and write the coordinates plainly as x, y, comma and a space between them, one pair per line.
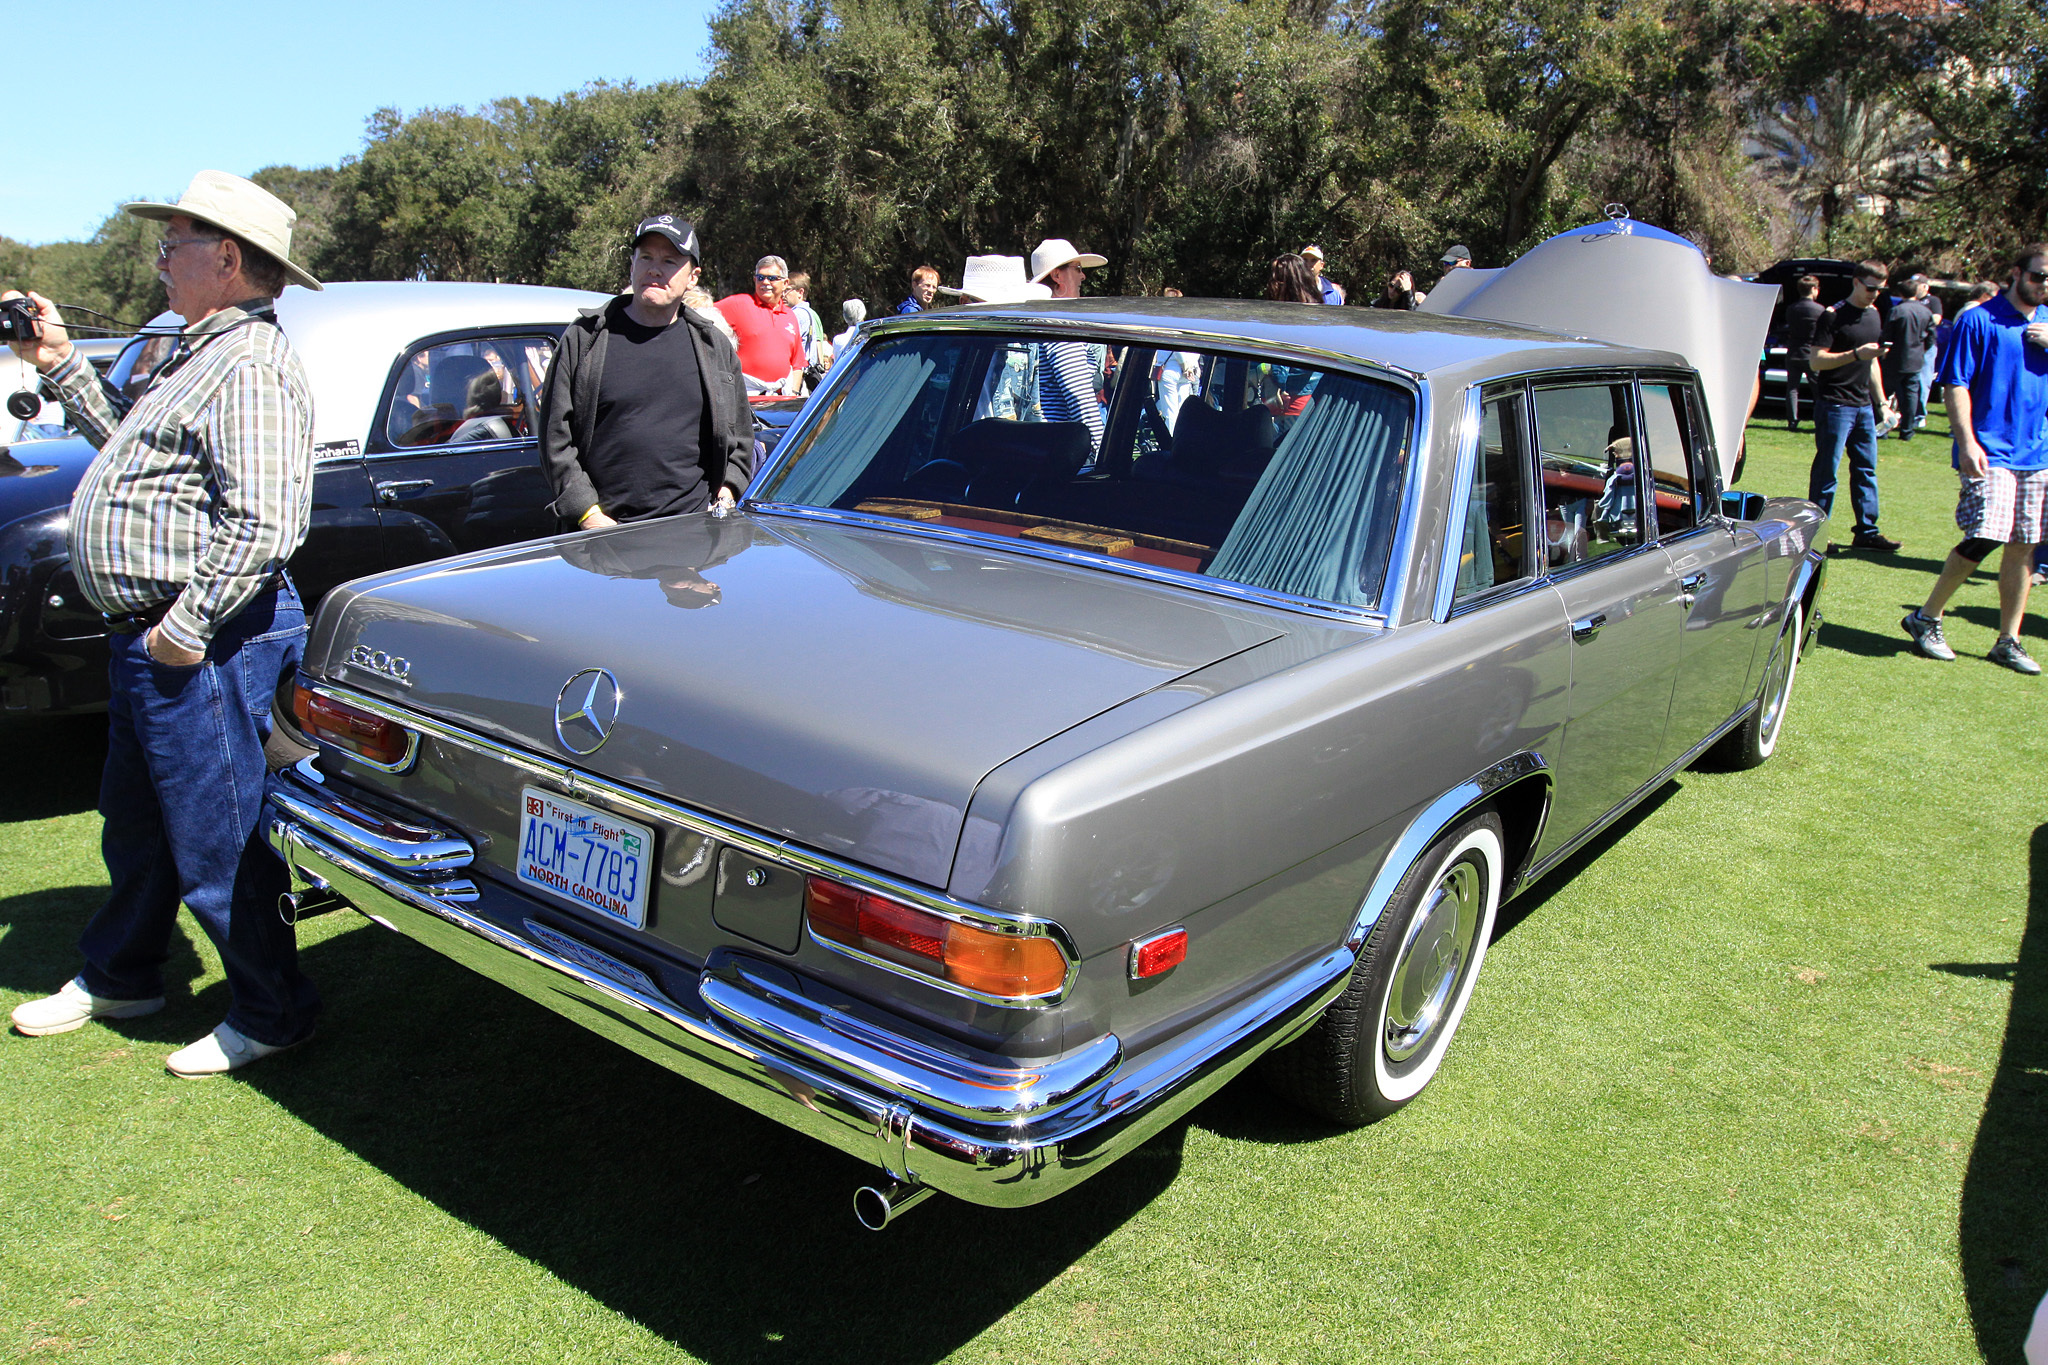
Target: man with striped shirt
1069, 372
179, 533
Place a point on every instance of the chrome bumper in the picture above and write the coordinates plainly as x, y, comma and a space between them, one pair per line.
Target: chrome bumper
766, 1038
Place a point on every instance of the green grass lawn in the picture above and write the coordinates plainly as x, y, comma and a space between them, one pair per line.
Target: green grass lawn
1759, 1079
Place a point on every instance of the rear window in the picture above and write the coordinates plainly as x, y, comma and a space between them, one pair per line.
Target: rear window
1233, 466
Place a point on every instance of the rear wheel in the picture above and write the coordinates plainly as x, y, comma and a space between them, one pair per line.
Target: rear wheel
1756, 739
1381, 1043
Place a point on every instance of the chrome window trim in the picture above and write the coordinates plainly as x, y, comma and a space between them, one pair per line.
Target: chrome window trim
581, 786
1179, 578
1393, 584
444, 448
1467, 437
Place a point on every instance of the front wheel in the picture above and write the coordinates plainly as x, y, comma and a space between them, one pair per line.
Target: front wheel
1381, 1043
1756, 739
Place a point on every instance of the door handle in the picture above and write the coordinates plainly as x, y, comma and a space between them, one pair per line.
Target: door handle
1586, 627
389, 490
1691, 582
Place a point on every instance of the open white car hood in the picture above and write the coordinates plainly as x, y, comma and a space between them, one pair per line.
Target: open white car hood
1638, 285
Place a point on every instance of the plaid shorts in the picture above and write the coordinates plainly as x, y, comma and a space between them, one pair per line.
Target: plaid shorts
2005, 505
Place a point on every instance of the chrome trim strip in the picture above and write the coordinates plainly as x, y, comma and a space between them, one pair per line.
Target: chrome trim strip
1023, 1160
1179, 578
750, 1002
1422, 831
584, 786
1459, 507
404, 847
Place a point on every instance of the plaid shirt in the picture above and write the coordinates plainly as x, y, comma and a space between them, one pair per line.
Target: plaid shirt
204, 483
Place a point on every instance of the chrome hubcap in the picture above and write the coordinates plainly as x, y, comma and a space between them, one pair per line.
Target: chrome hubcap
1778, 685
1432, 962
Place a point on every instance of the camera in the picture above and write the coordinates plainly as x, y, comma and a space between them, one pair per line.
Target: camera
19, 320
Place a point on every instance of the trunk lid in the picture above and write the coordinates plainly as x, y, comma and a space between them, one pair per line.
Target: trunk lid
841, 686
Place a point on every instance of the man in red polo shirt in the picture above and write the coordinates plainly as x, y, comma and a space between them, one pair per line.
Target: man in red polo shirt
771, 343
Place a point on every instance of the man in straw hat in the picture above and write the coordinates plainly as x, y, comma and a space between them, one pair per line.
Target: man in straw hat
1069, 372
179, 533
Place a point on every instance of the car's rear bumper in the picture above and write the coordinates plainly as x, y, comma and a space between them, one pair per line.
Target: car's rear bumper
783, 1046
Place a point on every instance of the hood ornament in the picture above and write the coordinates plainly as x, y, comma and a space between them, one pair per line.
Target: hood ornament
586, 709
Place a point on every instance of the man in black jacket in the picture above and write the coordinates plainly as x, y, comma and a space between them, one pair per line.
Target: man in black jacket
1800, 316
645, 413
1908, 332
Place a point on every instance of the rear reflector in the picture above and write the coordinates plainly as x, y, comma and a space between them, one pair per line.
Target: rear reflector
348, 727
1013, 966
1162, 952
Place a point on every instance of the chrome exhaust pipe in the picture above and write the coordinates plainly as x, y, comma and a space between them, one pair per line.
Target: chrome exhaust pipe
877, 1206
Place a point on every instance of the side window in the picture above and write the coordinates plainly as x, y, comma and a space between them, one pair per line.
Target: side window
1674, 488
485, 389
1496, 517
1586, 447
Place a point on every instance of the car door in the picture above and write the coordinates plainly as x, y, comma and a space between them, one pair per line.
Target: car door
1624, 607
454, 458
1719, 566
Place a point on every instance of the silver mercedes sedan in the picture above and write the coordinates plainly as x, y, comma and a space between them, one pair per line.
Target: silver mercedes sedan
1088, 702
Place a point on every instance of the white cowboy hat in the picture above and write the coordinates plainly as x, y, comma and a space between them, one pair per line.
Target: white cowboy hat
997, 279
241, 207
1054, 252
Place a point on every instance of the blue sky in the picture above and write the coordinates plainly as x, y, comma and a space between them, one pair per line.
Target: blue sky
167, 88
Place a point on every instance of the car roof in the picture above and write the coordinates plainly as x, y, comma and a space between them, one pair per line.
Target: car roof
348, 334
1444, 349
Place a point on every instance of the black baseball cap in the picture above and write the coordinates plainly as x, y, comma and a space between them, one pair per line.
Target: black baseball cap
678, 231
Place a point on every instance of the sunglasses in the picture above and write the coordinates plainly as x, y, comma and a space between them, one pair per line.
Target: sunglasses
768, 279
2037, 276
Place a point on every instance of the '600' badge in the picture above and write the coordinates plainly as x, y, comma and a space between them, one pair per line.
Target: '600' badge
384, 665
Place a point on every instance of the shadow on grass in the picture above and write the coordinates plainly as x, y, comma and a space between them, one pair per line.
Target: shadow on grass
39, 952
2004, 1255
719, 1230
1870, 644
1550, 883
50, 766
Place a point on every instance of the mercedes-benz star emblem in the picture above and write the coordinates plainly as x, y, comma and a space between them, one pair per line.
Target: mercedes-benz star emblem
586, 710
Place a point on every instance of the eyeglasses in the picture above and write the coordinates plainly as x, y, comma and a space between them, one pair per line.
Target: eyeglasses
2037, 276
165, 247
768, 279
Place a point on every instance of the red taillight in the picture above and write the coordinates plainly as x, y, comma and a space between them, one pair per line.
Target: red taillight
1161, 952
358, 731
1010, 965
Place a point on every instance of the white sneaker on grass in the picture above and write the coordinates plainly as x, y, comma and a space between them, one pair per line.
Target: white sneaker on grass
72, 1007
221, 1051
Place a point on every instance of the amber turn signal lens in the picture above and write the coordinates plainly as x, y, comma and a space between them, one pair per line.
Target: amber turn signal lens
1014, 966
348, 727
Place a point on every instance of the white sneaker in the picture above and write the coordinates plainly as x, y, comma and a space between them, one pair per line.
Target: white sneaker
72, 1006
220, 1051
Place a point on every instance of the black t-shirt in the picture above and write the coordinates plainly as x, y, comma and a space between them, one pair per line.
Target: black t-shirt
645, 458
1843, 328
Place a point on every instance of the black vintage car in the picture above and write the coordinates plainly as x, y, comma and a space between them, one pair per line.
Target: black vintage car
410, 465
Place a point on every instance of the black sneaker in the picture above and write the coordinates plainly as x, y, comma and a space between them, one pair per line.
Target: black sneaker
1871, 540
1927, 637
2007, 652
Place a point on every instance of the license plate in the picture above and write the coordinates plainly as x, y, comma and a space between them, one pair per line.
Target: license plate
589, 857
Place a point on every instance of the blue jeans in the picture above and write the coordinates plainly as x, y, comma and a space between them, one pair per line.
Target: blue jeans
1836, 427
182, 796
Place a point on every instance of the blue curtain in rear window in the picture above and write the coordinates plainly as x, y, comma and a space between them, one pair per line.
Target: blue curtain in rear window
1316, 524
854, 429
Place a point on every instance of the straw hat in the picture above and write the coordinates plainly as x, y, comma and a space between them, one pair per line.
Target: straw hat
237, 206
997, 279
1054, 252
